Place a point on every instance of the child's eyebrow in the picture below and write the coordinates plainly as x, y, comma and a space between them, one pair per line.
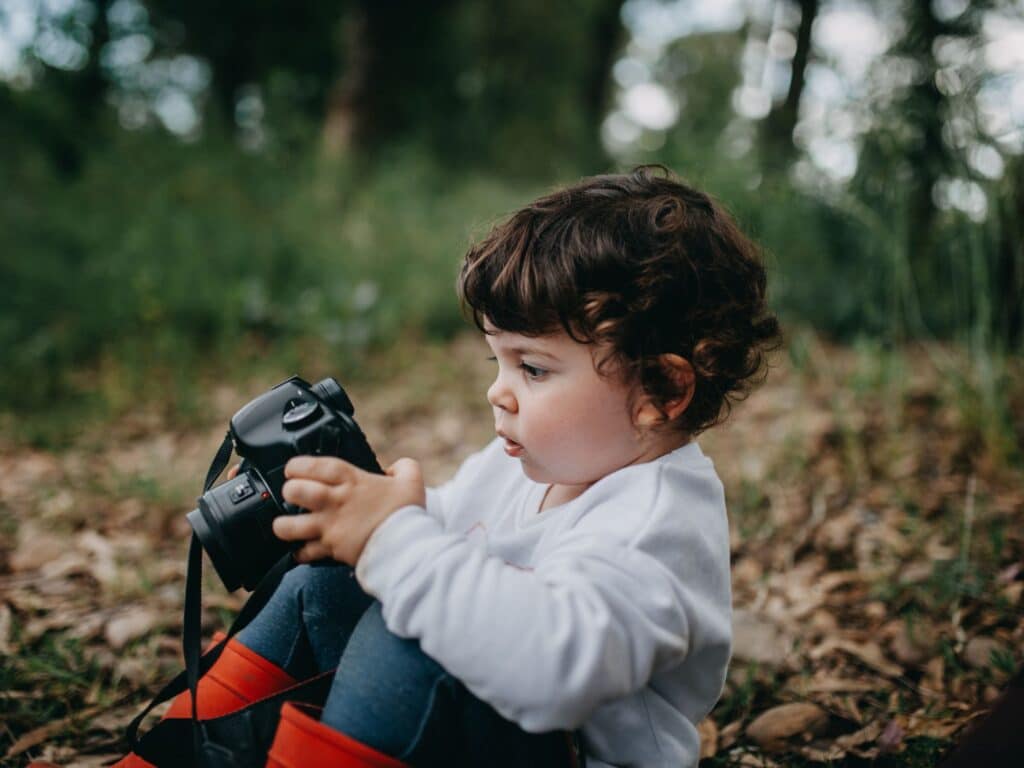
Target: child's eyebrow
531, 351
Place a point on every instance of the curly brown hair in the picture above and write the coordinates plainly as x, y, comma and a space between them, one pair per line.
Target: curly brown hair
644, 263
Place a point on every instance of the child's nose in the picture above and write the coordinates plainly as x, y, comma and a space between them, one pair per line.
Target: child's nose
500, 396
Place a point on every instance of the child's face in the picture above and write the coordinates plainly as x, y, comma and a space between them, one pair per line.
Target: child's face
564, 422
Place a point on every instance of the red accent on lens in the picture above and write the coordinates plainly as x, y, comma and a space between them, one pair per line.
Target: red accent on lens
265, 495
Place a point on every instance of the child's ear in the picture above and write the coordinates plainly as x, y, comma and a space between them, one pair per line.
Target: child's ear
679, 370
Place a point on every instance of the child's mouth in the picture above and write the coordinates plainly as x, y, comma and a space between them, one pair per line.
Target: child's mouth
512, 448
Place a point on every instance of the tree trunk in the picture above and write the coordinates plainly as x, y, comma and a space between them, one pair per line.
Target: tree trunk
341, 109
779, 125
1008, 275
608, 34
927, 155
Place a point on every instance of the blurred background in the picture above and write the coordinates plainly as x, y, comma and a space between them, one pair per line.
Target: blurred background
200, 198
183, 176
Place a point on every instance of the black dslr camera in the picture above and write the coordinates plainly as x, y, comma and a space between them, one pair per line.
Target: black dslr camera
233, 520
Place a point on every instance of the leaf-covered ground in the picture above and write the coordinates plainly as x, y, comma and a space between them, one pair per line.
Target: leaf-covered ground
876, 503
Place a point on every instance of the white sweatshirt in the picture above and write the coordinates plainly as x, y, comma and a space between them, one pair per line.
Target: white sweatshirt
610, 613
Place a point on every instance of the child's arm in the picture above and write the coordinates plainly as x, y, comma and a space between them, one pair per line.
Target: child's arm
592, 624
609, 607
597, 618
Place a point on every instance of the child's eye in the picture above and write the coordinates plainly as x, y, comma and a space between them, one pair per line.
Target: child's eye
532, 372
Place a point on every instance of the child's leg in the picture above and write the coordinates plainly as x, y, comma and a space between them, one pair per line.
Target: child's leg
389, 695
307, 622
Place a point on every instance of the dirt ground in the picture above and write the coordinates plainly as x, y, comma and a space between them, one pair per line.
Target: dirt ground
876, 510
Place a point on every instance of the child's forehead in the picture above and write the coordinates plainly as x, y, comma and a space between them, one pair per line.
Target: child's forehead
551, 344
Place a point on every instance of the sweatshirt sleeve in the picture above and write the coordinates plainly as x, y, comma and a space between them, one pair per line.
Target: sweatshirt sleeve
440, 499
591, 623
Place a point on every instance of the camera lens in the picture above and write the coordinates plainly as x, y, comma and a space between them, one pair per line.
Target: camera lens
233, 523
330, 391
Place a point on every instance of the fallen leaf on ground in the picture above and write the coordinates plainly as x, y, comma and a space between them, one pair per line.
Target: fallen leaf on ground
979, 651
130, 625
758, 639
771, 729
38, 735
708, 732
35, 549
867, 652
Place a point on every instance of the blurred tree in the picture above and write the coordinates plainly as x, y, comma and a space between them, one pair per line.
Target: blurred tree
917, 142
925, 112
66, 111
777, 129
700, 69
519, 84
245, 42
1008, 275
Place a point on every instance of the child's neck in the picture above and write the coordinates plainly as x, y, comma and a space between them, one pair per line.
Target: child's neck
556, 495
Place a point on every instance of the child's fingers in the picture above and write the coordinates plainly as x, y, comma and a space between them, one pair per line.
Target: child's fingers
311, 552
326, 469
311, 494
299, 527
233, 471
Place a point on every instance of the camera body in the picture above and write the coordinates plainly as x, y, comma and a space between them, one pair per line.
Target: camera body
233, 520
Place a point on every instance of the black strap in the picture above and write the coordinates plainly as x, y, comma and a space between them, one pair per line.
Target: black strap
196, 665
259, 598
220, 460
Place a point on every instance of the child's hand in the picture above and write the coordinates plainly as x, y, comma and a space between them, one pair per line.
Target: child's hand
345, 503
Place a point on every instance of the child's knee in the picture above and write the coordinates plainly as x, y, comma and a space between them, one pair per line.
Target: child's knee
375, 639
322, 588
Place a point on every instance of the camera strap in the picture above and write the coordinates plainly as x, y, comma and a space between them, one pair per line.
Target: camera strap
196, 665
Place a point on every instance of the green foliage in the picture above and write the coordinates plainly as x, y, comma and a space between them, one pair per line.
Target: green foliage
131, 255
161, 253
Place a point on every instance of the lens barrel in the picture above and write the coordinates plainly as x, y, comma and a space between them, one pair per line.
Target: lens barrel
233, 522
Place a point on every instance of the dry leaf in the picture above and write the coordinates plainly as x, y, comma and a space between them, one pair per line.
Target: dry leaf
868, 734
35, 549
38, 735
825, 683
978, 651
867, 652
129, 625
6, 642
771, 729
727, 736
836, 533
748, 760
708, 732
757, 639
103, 566
913, 644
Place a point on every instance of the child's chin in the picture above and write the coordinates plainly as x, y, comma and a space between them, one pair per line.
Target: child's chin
533, 472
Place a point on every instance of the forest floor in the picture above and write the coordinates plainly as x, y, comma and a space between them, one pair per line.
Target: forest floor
877, 516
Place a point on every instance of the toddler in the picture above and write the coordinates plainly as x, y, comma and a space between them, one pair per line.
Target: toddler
566, 593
